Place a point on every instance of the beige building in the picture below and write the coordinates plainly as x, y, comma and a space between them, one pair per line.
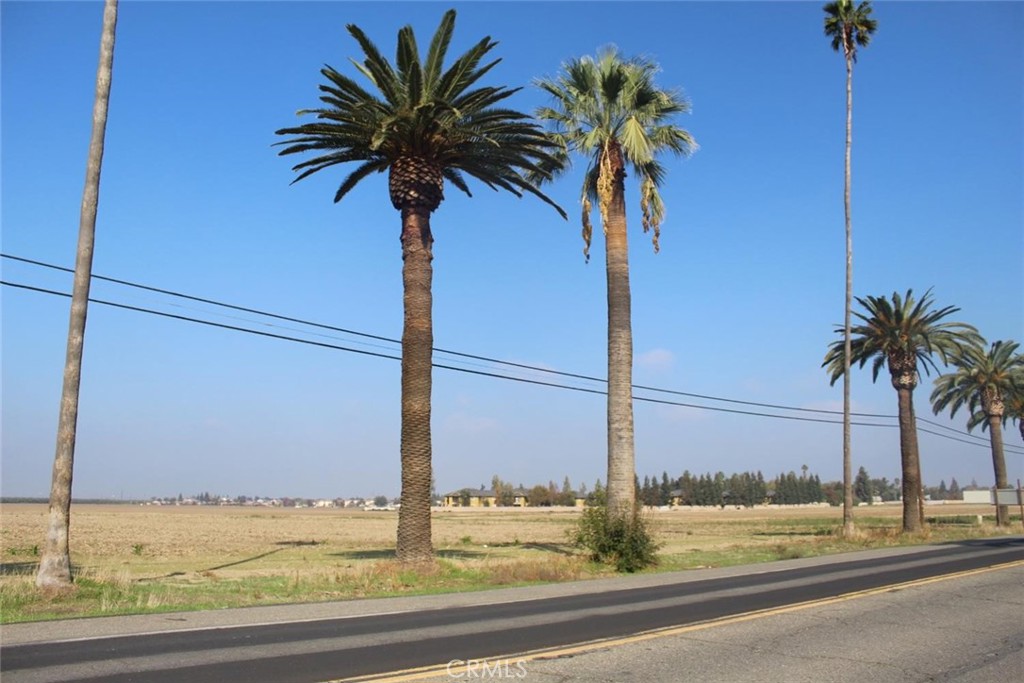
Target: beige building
482, 498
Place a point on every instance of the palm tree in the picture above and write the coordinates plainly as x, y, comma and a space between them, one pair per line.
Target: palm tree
901, 334
1015, 412
848, 27
985, 381
610, 110
55, 560
426, 126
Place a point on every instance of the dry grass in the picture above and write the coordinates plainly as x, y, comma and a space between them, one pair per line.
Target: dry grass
141, 558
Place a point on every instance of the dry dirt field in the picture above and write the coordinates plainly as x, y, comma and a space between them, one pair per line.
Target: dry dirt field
154, 541
130, 559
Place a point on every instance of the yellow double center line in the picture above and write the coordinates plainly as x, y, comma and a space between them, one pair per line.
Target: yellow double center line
513, 660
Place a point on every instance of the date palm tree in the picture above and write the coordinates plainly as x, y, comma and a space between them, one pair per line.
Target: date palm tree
55, 559
849, 27
611, 111
985, 381
1015, 412
425, 125
902, 334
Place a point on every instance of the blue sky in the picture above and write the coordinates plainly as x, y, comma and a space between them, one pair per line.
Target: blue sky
740, 303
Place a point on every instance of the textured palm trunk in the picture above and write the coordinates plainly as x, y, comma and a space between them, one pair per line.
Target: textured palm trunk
55, 562
414, 539
995, 432
909, 461
848, 527
621, 456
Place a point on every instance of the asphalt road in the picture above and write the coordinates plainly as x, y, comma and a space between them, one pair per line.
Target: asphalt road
343, 640
968, 629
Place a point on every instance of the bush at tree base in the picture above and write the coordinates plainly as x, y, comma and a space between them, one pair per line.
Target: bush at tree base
623, 541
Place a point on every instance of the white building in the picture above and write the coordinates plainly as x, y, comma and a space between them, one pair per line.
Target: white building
979, 497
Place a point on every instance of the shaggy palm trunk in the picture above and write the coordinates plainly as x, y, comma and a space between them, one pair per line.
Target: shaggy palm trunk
55, 562
909, 461
848, 528
621, 456
414, 540
995, 432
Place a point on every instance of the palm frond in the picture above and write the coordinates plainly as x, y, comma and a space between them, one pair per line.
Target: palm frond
377, 67
438, 49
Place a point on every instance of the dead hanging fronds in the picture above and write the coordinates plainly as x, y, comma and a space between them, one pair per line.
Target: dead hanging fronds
605, 186
588, 228
652, 210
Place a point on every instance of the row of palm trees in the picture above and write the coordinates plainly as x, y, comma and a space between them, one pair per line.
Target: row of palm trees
904, 334
425, 125
900, 333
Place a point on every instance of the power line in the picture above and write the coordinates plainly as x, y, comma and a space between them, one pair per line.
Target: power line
235, 328
461, 354
475, 356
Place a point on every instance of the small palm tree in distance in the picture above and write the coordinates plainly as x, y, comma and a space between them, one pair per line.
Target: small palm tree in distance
902, 334
986, 381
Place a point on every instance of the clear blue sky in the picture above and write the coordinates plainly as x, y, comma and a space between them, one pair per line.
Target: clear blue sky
741, 302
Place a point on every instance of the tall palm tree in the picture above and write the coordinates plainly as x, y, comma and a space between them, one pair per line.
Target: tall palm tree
985, 381
425, 126
902, 334
55, 560
849, 27
610, 110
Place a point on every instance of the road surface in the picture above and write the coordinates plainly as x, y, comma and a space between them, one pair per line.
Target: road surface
306, 644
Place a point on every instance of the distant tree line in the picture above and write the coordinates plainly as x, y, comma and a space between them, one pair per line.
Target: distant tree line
745, 489
867, 489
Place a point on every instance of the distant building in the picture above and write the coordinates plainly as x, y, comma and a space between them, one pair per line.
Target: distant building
978, 496
482, 498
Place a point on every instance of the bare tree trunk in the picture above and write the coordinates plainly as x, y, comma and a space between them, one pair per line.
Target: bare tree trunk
848, 526
920, 473
995, 432
414, 535
55, 563
910, 462
621, 455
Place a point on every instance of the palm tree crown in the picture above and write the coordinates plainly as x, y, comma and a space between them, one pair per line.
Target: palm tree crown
425, 126
610, 110
902, 333
987, 382
850, 26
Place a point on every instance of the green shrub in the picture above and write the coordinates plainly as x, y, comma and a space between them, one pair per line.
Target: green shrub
623, 541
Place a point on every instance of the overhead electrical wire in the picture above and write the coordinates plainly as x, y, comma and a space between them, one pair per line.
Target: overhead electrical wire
463, 370
461, 354
442, 366
267, 314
